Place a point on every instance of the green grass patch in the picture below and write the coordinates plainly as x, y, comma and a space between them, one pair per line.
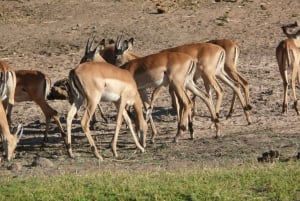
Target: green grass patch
263, 182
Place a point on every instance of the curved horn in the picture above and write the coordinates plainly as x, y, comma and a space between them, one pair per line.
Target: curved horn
92, 43
87, 46
118, 42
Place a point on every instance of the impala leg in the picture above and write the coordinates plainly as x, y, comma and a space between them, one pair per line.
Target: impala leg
236, 90
281, 61
135, 138
48, 119
49, 113
58, 123
85, 123
184, 108
207, 100
73, 110
154, 96
231, 110
9, 141
145, 99
120, 109
94, 118
211, 80
102, 114
236, 77
293, 83
285, 92
245, 87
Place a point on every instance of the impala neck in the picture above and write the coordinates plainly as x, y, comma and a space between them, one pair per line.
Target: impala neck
297, 40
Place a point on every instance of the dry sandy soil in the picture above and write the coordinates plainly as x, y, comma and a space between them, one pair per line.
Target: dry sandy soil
50, 35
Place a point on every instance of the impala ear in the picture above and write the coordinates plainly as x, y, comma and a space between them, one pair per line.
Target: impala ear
19, 131
119, 41
100, 47
125, 46
130, 43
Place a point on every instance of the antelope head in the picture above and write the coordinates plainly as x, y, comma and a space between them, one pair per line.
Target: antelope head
10, 145
59, 90
93, 54
108, 52
122, 49
291, 30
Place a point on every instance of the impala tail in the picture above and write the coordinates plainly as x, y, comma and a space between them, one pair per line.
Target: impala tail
221, 63
76, 91
191, 72
47, 87
2, 87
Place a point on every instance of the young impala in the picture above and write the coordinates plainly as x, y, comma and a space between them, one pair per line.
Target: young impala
288, 56
92, 82
7, 91
34, 86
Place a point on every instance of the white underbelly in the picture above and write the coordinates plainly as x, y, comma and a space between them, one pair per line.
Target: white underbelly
110, 96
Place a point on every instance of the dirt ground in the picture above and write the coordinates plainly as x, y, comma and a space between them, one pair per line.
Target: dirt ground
50, 35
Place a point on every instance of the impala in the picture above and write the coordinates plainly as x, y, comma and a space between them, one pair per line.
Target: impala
34, 86
7, 90
92, 82
232, 51
206, 68
288, 56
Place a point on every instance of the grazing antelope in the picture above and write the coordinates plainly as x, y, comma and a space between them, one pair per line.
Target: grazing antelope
176, 70
288, 56
204, 54
232, 51
7, 91
34, 86
93, 82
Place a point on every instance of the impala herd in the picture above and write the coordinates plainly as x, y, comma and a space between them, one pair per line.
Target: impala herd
112, 72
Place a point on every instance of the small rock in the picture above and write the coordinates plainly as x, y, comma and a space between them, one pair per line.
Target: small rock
42, 162
15, 166
269, 157
263, 7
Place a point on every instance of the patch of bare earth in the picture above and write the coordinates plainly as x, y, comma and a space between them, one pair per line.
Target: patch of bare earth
50, 35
